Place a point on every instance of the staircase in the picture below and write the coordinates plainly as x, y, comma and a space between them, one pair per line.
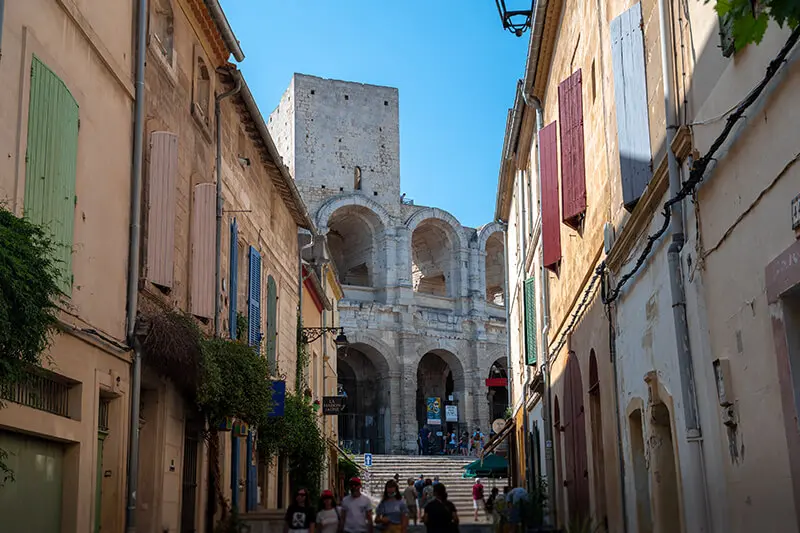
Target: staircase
448, 468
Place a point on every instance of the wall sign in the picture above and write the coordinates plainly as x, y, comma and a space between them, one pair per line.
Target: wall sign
451, 413
434, 409
332, 405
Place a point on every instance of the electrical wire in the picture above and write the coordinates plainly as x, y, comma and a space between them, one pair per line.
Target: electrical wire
700, 165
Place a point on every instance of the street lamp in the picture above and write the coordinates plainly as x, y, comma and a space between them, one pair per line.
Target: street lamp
312, 334
516, 21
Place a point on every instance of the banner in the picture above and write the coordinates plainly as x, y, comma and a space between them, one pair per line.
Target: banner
434, 409
332, 405
451, 413
278, 398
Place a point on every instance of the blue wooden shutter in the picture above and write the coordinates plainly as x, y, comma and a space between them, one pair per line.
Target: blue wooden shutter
272, 320
234, 284
630, 96
530, 321
254, 300
51, 164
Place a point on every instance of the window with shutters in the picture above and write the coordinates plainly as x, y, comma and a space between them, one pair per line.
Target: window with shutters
272, 321
202, 252
254, 299
573, 175
51, 164
162, 172
530, 321
233, 307
163, 27
551, 219
630, 96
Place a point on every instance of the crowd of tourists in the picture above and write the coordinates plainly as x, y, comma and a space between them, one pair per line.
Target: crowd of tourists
504, 510
430, 442
355, 514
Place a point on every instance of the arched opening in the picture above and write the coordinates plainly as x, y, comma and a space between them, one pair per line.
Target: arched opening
202, 90
364, 422
641, 484
357, 178
497, 384
495, 269
576, 474
665, 478
598, 455
558, 435
354, 238
163, 28
433, 266
440, 383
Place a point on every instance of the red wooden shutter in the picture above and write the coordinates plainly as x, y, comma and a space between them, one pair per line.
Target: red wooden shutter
551, 221
203, 244
573, 173
161, 207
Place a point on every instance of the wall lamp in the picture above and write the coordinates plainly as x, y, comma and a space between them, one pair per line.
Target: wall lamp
312, 334
515, 21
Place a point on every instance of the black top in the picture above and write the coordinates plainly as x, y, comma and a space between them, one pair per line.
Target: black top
298, 517
440, 517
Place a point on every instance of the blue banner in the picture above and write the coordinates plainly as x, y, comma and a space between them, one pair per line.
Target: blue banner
434, 410
278, 398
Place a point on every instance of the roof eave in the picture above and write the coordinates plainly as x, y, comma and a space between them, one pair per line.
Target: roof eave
225, 29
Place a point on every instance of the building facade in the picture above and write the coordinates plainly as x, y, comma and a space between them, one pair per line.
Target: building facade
67, 95
668, 339
423, 302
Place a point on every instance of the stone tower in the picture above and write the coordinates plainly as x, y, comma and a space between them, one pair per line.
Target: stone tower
424, 304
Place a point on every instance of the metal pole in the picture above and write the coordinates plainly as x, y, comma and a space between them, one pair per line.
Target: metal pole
133, 265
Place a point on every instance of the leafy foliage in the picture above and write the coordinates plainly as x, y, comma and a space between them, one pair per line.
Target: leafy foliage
347, 468
751, 17
303, 357
534, 506
29, 296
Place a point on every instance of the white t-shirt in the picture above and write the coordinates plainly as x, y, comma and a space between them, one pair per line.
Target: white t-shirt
328, 520
356, 510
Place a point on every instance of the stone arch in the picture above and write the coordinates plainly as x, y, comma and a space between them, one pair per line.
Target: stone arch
440, 373
334, 204
388, 360
497, 395
441, 215
437, 242
487, 231
356, 238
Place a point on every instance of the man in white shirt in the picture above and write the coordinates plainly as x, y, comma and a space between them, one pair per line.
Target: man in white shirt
356, 510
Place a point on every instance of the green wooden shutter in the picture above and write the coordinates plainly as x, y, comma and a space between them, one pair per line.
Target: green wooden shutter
51, 162
272, 321
530, 321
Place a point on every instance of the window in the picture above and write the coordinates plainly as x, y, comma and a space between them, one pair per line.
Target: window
51, 161
530, 321
272, 322
202, 91
357, 178
163, 29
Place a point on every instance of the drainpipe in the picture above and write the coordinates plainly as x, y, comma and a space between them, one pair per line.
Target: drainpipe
2, 13
677, 289
133, 265
218, 256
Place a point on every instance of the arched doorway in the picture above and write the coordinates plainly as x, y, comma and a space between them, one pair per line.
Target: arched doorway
434, 269
497, 383
576, 472
598, 454
667, 509
439, 376
362, 378
495, 269
355, 238
641, 483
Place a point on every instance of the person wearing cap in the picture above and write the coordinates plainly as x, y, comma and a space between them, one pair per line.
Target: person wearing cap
478, 501
328, 516
356, 510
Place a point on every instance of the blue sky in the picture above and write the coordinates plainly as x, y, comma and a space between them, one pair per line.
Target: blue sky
455, 68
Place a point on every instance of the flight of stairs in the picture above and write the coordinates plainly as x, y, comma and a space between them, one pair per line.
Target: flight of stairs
449, 469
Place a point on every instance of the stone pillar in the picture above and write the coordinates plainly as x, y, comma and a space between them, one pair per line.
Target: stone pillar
390, 257
392, 390
402, 257
463, 270
407, 419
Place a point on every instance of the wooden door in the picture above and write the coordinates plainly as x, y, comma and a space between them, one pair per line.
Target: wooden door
576, 476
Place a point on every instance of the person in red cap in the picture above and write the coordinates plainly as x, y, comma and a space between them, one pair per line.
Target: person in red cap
328, 517
356, 510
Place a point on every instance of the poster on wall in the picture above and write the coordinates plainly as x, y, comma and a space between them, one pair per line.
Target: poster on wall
451, 413
434, 409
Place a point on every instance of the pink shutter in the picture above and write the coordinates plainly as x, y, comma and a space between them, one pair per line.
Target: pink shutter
161, 207
573, 182
203, 231
551, 221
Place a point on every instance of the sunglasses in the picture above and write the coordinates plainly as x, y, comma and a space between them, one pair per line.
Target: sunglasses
302, 494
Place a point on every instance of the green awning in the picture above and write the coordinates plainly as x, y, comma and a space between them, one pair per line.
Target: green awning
491, 466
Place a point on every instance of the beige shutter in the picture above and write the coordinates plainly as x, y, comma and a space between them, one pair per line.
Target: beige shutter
202, 279
161, 207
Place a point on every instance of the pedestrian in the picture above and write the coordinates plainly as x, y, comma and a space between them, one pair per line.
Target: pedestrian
501, 506
397, 478
440, 514
419, 485
410, 497
477, 497
328, 516
391, 515
356, 510
300, 517
435, 480
427, 493
490, 508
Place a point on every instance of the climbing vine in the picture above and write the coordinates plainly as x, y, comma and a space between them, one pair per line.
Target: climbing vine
29, 296
303, 357
750, 18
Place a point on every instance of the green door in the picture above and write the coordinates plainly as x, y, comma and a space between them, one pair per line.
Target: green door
32, 502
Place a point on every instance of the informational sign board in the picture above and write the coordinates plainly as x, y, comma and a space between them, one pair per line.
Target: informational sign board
498, 424
434, 409
451, 413
332, 405
368, 460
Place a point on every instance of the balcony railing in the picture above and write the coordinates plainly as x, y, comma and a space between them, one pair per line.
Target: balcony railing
39, 390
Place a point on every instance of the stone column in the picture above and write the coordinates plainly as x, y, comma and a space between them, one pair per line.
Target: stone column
407, 383
390, 257
392, 392
402, 257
